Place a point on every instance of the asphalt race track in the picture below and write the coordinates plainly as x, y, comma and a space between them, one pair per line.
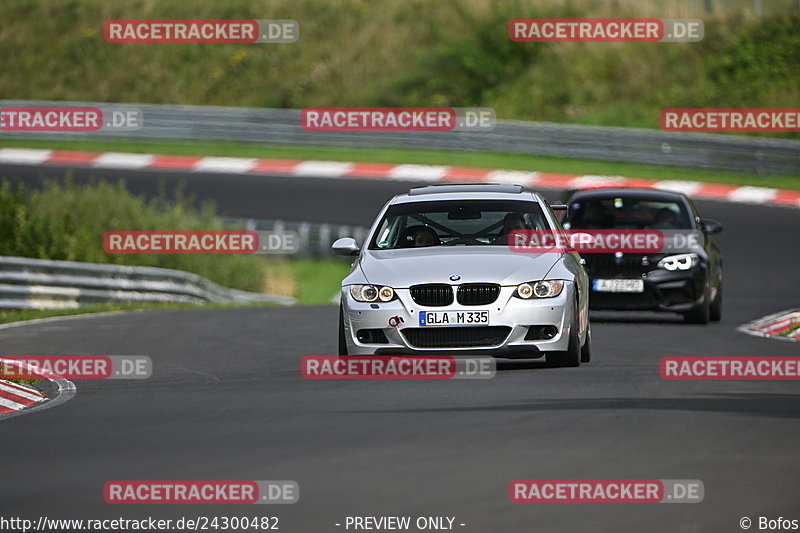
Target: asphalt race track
226, 401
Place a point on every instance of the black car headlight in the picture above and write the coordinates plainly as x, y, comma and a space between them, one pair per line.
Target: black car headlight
679, 262
539, 289
372, 293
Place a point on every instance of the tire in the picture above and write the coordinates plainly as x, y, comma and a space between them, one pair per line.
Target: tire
586, 349
342, 341
715, 311
572, 357
701, 314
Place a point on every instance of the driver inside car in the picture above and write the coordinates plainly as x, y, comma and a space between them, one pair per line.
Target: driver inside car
665, 219
511, 222
425, 236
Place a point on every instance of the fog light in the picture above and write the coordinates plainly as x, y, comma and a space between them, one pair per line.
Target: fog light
548, 332
371, 336
541, 333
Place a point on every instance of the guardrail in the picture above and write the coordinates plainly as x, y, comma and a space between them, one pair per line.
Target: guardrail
282, 126
27, 283
314, 238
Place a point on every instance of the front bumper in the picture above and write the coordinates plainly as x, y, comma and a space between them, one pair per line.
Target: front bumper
676, 292
510, 321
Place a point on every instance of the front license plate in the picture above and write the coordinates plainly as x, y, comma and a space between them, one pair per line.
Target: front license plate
453, 318
619, 285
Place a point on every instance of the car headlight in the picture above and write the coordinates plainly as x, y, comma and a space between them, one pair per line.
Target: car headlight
372, 293
679, 262
539, 289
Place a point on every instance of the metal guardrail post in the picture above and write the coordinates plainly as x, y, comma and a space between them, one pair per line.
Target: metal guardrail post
27, 283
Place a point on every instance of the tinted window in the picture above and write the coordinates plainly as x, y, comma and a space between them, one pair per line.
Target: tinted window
451, 223
627, 213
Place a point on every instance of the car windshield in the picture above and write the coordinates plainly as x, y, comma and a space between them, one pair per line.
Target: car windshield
452, 223
627, 213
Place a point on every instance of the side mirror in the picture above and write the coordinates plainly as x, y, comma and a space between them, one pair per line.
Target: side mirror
345, 246
710, 226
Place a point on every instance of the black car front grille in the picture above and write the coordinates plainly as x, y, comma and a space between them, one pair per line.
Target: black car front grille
678, 295
477, 293
433, 294
606, 265
456, 337
622, 301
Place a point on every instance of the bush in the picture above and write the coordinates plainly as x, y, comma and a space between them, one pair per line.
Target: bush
413, 53
64, 221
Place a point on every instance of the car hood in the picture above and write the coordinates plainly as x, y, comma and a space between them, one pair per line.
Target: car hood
403, 268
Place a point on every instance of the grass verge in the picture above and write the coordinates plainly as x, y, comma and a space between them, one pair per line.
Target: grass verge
312, 282
411, 53
65, 221
508, 161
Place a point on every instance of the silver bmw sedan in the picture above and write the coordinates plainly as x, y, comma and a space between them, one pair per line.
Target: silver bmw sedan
438, 276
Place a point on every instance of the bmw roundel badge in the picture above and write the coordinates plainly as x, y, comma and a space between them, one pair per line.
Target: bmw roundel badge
455, 277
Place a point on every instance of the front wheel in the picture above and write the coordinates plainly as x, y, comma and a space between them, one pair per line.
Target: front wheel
586, 349
700, 314
715, 312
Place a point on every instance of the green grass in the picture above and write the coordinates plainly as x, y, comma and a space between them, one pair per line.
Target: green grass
320, 280
311, 281
507, 161
66, 221
790, 331
24, 381
410, 53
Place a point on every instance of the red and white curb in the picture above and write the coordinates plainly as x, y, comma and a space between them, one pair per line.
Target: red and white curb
426, 173
775, 326
16, 397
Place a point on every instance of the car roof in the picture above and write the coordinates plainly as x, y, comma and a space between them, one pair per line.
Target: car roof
475, 191
471, 187
627, 192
